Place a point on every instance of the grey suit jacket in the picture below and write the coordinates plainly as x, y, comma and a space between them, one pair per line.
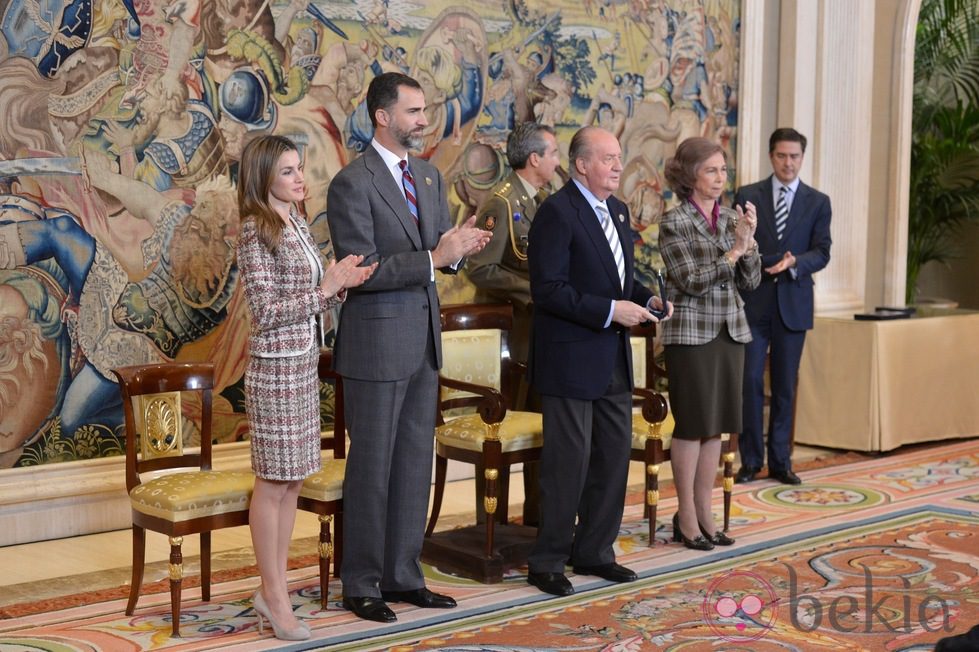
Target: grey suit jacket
386, 323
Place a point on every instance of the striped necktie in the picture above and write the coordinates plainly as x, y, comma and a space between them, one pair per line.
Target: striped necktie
408, 183
613, 242
781, 213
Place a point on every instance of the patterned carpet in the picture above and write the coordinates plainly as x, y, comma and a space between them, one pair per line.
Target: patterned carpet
875, 555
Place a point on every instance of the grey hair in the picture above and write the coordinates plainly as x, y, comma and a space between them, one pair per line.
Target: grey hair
581, 145
526, 139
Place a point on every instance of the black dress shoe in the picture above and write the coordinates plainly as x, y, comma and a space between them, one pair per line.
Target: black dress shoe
369, 609
785, 477
420, 598
967, 642
719, 538
553, 583
697, 543
612, 572
746, 474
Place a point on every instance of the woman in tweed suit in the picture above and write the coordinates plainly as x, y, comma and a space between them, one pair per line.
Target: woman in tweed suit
286, 286
709, 253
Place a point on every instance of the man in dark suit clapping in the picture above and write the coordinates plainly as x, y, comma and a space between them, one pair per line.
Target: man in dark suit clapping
585, 299
794, 240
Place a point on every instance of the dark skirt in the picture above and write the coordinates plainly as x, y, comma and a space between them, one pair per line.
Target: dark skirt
705, 387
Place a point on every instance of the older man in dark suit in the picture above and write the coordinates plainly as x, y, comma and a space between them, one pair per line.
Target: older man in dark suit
794, 240
392, 208
585, 300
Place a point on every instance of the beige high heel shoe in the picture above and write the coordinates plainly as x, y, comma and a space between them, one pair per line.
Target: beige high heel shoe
298, 633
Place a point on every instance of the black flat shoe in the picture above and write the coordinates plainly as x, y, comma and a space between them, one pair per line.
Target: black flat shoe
719, 538
746, 474
785, 476
697, 543
553, 583
612, 572
369, 609
420, 598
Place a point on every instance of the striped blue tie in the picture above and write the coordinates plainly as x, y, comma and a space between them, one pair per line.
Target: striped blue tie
408, 182
781, 213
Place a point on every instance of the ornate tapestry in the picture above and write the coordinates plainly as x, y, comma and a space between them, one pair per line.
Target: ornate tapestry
123, 122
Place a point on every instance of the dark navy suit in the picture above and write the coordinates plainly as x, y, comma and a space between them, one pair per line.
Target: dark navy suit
780, 311
583, 371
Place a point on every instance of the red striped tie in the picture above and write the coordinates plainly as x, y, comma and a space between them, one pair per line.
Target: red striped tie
408, 182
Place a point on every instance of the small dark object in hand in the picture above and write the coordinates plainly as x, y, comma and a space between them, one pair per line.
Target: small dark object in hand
660, 314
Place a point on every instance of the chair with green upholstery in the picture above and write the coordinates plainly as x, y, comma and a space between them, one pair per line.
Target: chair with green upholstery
322, 492
478, 374
652, 427
172, 487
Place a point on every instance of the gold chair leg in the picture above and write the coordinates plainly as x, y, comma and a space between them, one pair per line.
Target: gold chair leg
139, 561
654, 456
652, 499
490, 502
326, 556
728, 487
176, 577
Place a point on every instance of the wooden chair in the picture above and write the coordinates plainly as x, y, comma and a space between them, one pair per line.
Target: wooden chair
322, 492
477, 372
194, 501
652, 427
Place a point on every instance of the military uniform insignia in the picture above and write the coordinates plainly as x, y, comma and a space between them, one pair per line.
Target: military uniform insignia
490, 222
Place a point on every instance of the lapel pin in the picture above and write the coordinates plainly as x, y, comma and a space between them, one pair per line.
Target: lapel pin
621, 218
428, 180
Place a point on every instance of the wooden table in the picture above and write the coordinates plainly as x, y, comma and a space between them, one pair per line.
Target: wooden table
877, 385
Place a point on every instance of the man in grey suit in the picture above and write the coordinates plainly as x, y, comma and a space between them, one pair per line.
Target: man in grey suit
392, 208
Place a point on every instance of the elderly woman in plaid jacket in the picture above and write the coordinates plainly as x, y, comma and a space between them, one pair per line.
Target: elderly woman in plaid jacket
286, 285
710, 252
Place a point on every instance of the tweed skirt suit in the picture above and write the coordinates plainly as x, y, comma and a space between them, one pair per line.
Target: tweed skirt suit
705, 338
281, 380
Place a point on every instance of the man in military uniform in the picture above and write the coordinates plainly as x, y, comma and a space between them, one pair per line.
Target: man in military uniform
500, 271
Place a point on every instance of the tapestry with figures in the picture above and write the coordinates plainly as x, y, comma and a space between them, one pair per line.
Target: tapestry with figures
123, 121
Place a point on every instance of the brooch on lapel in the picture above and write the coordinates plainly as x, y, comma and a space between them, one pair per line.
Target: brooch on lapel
621, 218
428, 180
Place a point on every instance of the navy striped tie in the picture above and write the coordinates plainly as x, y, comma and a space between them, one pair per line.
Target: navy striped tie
408, 182
781, 213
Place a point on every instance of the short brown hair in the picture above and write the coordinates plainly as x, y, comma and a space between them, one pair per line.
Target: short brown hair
382, 93
786, 134
681, 170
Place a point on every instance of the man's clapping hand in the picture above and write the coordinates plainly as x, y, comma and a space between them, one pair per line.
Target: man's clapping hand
458, 242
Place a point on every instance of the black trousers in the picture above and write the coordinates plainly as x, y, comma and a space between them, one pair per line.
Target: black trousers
584, 471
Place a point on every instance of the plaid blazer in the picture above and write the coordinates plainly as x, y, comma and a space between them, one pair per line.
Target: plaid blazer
279, 288
702, 285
